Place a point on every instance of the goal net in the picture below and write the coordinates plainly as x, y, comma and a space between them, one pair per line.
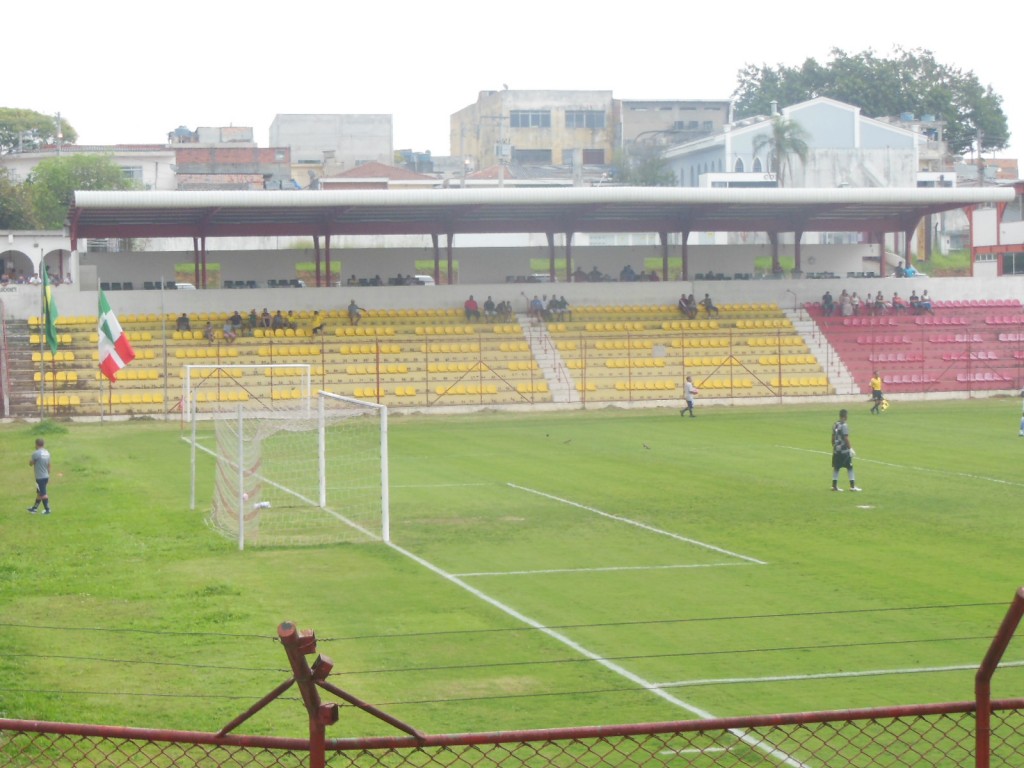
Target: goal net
287, 476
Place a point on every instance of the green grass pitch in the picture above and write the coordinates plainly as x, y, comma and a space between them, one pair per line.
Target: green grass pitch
549, 570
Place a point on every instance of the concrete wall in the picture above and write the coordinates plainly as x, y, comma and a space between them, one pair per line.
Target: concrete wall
24, 301
475, 265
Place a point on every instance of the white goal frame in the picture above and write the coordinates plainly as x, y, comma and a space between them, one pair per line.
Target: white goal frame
238, 475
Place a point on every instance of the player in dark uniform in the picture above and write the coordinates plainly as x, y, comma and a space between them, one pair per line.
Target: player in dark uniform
842, 453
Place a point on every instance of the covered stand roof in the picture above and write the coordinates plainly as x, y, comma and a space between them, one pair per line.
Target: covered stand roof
612, 209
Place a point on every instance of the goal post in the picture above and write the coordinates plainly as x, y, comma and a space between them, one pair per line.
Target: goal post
302, 476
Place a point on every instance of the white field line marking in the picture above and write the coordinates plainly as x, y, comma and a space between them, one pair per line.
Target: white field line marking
943, 472
593, 570
753, 741
831, 675
638, 524
442, 485
693, 751
300, 497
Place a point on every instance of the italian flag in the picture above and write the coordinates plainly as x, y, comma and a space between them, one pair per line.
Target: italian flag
115, 351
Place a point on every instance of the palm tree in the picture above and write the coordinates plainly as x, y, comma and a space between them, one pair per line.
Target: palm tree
787, 138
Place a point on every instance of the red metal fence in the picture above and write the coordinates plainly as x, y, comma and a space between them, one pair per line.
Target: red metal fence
982, 733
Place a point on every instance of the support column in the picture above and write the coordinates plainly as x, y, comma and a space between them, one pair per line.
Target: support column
797, 268
663, 236
568, 257
684, 272
448, 249
327, 255
434, 241
316, 256
195, 262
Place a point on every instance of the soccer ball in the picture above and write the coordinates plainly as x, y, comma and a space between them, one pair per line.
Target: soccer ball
245, 497
885, 405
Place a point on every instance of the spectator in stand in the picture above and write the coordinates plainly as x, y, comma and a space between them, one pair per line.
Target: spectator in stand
472, 309
536, 309
209, 333
879, 304
564, 309
254, 320
236, 322
900, 271
265, 319
898, 304
925, 304
828, 304
594, 275
278, 322
627, 275
551, 308
579, 276
694, 307
504, 311
855, 303
316, 324
355, 313
683, 305
490, 311
183, 323
709, 305
229, 332
915, 303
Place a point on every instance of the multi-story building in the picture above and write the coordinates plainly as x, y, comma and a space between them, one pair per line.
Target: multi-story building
228, 158
151, 166
571, 128
324, 145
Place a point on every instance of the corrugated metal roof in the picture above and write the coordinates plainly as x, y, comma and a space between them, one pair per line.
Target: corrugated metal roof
613, 209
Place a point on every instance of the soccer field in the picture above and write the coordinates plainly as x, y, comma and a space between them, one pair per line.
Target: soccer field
545, 570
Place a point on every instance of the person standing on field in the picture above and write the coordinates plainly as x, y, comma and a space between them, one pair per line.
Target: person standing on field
876, 392
688, 392
40, 462
842, 453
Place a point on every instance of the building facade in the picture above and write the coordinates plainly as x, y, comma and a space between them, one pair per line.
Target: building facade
324, 144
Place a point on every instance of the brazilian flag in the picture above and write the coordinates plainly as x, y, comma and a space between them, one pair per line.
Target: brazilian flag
49, 312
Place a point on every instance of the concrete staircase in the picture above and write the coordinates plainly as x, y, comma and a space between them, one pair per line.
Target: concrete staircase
839, 375
555, 371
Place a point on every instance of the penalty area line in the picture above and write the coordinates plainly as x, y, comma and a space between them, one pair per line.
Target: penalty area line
599, 569
638, 524
752, 740
910, 467
830, 675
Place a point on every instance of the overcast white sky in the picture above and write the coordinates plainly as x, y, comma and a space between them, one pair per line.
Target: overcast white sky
130, 72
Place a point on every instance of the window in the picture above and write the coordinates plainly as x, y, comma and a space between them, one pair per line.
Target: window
1013, 263
133, 173
738, 167
525, 118
584, 118
593, 157
531, 156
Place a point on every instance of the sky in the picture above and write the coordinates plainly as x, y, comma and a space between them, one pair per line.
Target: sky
131, 72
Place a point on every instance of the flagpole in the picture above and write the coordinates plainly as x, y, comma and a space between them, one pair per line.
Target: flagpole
163, 334
42, 347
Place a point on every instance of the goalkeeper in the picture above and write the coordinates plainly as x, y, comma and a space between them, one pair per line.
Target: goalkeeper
842, 453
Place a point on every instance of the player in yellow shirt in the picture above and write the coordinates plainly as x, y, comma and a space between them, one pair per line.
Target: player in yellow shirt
876, 392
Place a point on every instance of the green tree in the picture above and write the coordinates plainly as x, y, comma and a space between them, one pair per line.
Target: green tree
908, 81
15, 204
53, 182
25, 129
787, 138
642, 166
